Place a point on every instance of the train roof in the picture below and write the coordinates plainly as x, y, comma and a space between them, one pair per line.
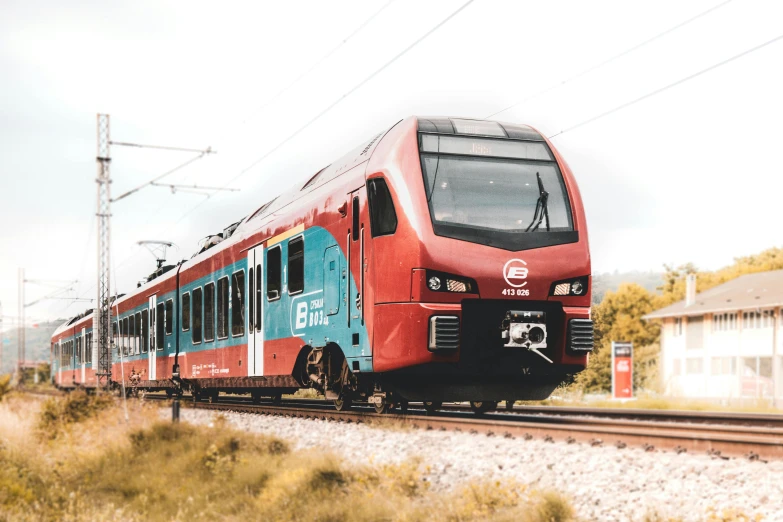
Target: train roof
472, 127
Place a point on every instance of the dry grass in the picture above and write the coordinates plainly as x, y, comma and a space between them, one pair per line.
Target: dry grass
98, 467
653, 402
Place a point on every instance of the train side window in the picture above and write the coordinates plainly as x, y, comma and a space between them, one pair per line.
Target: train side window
139, 340
197, 298
251, 301
209, 312
160, 320
296, 265
116, 336
145, 331
383, 218
185, 311
355, 218
132, 335
124, 336
222, 308
273, 273
238, 303
169, 316
259, 296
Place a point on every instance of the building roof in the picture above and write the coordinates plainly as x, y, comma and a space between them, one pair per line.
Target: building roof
752, 291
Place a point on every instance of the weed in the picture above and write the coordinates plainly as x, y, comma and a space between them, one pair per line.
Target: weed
5, 385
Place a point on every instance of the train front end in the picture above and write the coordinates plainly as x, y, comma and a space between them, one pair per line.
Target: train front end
493, 240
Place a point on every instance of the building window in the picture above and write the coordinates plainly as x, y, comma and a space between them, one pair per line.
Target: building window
677, 326
197, 298
186, 312
238, 304
724, 366
724, 322
296, 265
273, 271
222, 308
694, 366
209, 312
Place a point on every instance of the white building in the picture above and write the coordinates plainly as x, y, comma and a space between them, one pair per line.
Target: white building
725, 343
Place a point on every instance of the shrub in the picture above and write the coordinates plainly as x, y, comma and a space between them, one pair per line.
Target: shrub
5, 385
57, 413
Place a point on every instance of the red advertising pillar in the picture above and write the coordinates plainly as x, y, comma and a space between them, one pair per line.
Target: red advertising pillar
622, 370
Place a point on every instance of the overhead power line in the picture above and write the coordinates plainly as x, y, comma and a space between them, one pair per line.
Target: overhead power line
337, 102
611, 59
669, 86
318, 62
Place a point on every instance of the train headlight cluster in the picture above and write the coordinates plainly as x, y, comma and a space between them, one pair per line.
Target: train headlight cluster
572, 287
441, 282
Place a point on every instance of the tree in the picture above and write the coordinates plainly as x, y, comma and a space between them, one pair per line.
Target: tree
619, 318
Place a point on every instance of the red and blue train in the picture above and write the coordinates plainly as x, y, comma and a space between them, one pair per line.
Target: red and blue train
445, 259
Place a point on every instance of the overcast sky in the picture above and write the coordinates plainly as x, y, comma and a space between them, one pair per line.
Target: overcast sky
690, 174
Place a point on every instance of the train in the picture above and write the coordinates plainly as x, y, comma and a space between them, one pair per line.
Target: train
443, 260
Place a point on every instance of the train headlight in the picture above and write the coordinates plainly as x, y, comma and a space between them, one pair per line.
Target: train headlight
443, 282
570, 287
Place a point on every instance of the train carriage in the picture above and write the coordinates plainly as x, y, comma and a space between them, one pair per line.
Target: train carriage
443, 260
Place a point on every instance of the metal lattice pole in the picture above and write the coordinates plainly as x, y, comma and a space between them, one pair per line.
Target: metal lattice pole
20, 356
102, 314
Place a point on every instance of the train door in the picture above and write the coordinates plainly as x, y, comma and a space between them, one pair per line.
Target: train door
255, 303
357, 263
334, 283
151, 359
83, 349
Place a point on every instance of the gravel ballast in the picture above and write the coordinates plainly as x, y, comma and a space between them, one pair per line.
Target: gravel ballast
603, 483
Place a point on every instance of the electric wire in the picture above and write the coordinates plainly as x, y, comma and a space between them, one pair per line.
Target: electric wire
317, 63
669, 86
334, 104
611, 59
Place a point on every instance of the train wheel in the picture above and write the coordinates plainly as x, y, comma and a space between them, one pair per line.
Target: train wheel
403, 406
382, 408
509, 405
255, 397
343, 403
213, 397
277, 399
169, 393
483, 406
432, 406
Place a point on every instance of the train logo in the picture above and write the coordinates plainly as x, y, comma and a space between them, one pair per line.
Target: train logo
513, 270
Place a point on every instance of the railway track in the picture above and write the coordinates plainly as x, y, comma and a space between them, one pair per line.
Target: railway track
721, 435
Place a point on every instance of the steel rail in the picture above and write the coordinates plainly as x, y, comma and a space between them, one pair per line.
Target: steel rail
719, 441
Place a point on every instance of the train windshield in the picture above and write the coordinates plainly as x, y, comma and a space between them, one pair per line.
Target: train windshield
487, 191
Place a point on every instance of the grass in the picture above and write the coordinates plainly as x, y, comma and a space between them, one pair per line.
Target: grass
651, 402
77, 459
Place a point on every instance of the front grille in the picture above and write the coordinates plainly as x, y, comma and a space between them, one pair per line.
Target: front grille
444, 333
580, 335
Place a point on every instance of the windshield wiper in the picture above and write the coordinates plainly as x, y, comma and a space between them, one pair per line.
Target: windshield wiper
541, 211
